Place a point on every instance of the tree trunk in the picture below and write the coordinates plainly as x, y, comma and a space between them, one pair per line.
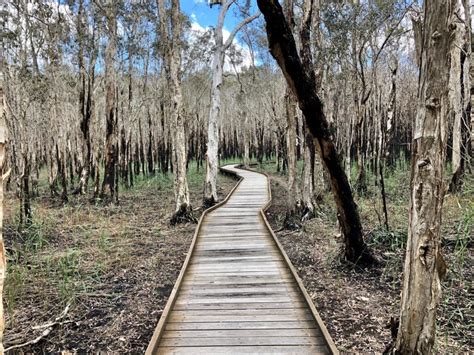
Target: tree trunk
111, 149
172, 57
308, 200
455, 94
212, 160
283, 49
245, 126
386, 138
3, 177
424, 266
294, 201
460, 91
84, 104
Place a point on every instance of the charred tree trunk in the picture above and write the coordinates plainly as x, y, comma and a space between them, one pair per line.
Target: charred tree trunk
85, 100
387, 134
111, 149
3, 177
283, 49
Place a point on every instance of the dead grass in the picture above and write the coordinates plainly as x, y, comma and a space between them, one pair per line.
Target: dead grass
357, 304
115, 266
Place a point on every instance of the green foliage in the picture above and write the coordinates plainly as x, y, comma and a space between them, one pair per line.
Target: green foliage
391, 240
64, 271
15, 284
36, 235
464, 233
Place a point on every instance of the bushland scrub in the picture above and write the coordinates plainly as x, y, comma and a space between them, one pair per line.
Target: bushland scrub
111, 266
358, 304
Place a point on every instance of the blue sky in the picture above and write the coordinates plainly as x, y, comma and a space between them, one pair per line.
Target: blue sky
200, 12
202, 17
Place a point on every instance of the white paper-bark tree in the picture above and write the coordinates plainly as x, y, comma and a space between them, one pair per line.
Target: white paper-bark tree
171, 34
424, 266
460, 91
220, 48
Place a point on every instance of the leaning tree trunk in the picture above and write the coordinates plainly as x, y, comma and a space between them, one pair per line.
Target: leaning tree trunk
424, 266
111, 149
283, 48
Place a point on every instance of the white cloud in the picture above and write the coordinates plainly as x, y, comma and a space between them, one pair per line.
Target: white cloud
197, 30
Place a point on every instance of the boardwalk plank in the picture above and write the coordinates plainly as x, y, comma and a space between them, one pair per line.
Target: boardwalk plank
300, 350
242, 341
239, 333
238, 293
301, 324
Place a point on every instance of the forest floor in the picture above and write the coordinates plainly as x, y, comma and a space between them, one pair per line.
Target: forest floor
115, 267
101, 274
357, 304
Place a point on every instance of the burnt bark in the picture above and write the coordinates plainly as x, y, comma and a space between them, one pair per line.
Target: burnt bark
283, 48
111, 146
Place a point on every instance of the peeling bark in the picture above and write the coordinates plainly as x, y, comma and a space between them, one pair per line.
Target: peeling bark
212, 159
172, 61
424, 266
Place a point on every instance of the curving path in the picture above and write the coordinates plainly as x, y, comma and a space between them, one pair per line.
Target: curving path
238, 292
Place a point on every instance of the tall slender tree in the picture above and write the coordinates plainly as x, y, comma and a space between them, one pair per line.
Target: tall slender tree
220, 48
460, 92
3, 176
86, 45
171, 38
424, 265
294, 192
111, 140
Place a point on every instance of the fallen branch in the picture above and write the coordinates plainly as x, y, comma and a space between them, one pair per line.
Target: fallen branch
49, 327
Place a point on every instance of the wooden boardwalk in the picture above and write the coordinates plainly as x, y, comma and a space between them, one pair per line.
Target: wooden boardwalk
237, 292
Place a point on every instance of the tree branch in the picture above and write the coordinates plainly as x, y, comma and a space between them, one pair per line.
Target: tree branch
238, 28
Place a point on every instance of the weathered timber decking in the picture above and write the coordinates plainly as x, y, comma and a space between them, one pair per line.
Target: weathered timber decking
237, 292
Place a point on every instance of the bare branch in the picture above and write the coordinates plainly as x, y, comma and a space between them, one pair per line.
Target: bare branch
239, 27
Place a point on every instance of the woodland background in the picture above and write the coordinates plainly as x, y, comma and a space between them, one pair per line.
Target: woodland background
107, 176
